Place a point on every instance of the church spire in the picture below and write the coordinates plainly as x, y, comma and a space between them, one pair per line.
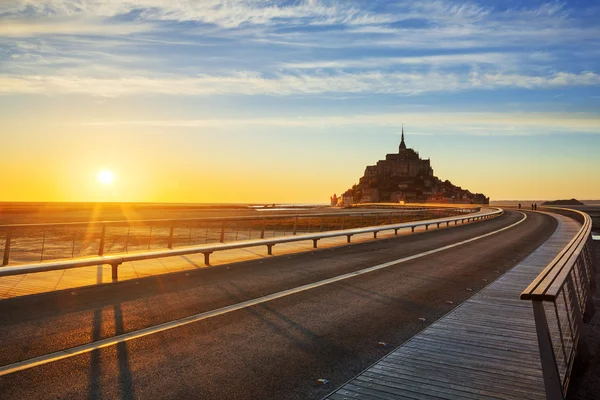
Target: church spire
402, 144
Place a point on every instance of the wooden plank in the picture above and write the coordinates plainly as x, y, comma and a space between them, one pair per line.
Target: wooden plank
428, 386
448, 378
485, 348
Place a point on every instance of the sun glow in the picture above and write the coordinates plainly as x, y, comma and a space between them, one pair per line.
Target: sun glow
105, 177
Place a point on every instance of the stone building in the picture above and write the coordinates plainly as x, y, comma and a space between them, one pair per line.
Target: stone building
404, 176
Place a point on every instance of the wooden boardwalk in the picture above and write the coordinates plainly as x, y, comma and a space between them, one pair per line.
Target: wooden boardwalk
484, 349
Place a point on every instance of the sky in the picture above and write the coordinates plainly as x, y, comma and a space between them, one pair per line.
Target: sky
288, 101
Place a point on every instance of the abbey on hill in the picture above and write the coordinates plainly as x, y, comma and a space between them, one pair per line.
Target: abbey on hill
404, 176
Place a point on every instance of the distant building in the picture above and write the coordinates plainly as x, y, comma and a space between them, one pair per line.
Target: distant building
348, 197
405, 177
334, 200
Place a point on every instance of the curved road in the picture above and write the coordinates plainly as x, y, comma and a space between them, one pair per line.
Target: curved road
276, 349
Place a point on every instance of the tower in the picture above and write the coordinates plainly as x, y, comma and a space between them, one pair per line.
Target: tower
402, 144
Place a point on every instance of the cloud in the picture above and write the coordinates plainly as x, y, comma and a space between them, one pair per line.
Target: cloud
14, 28
251, 83
444, 60
117, 48
229, 14
481, 123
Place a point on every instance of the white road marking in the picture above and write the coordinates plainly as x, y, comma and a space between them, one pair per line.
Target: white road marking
86, 348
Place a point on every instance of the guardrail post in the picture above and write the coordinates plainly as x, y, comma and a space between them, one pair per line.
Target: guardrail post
315, 243
295, 225
374, 234
552, 381
101, 245
349, 236
222, 238
426, 227
270, 249
170, 244
115, 272
6, 256
207, 258
412, 229
395, 231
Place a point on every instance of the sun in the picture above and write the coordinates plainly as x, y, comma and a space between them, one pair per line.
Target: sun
105, 177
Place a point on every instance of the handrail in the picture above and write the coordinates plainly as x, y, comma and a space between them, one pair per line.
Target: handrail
546, 284
227, 218
562, 301
116, 260
293, 221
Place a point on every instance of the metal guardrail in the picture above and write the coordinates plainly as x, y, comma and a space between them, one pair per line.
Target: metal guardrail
562, 301
207, 250
75, 239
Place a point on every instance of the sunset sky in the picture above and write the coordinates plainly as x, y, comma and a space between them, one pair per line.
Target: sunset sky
288, 101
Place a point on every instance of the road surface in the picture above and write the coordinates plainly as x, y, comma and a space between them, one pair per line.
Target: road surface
276, 349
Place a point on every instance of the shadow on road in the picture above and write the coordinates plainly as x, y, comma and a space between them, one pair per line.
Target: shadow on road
126, 389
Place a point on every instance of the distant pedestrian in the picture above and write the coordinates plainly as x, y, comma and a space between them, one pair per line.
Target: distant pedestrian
535, 206
531, 206
519, 206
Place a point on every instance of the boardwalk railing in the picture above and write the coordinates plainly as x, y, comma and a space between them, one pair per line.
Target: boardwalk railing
208, 249
562, 301
39, 242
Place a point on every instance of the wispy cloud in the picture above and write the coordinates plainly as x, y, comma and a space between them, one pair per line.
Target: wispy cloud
304, 47
256, 84
24, 28
421, 123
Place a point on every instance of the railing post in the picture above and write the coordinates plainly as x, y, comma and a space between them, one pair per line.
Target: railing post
73, 245
295, 225
262, 232
589, 310
150, 237
6, 256
170, 243
127, 239
582, 355
552, 381
43, 246
102, 237
222, 238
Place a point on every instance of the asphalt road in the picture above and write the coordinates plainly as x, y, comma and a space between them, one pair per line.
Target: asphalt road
274, 350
